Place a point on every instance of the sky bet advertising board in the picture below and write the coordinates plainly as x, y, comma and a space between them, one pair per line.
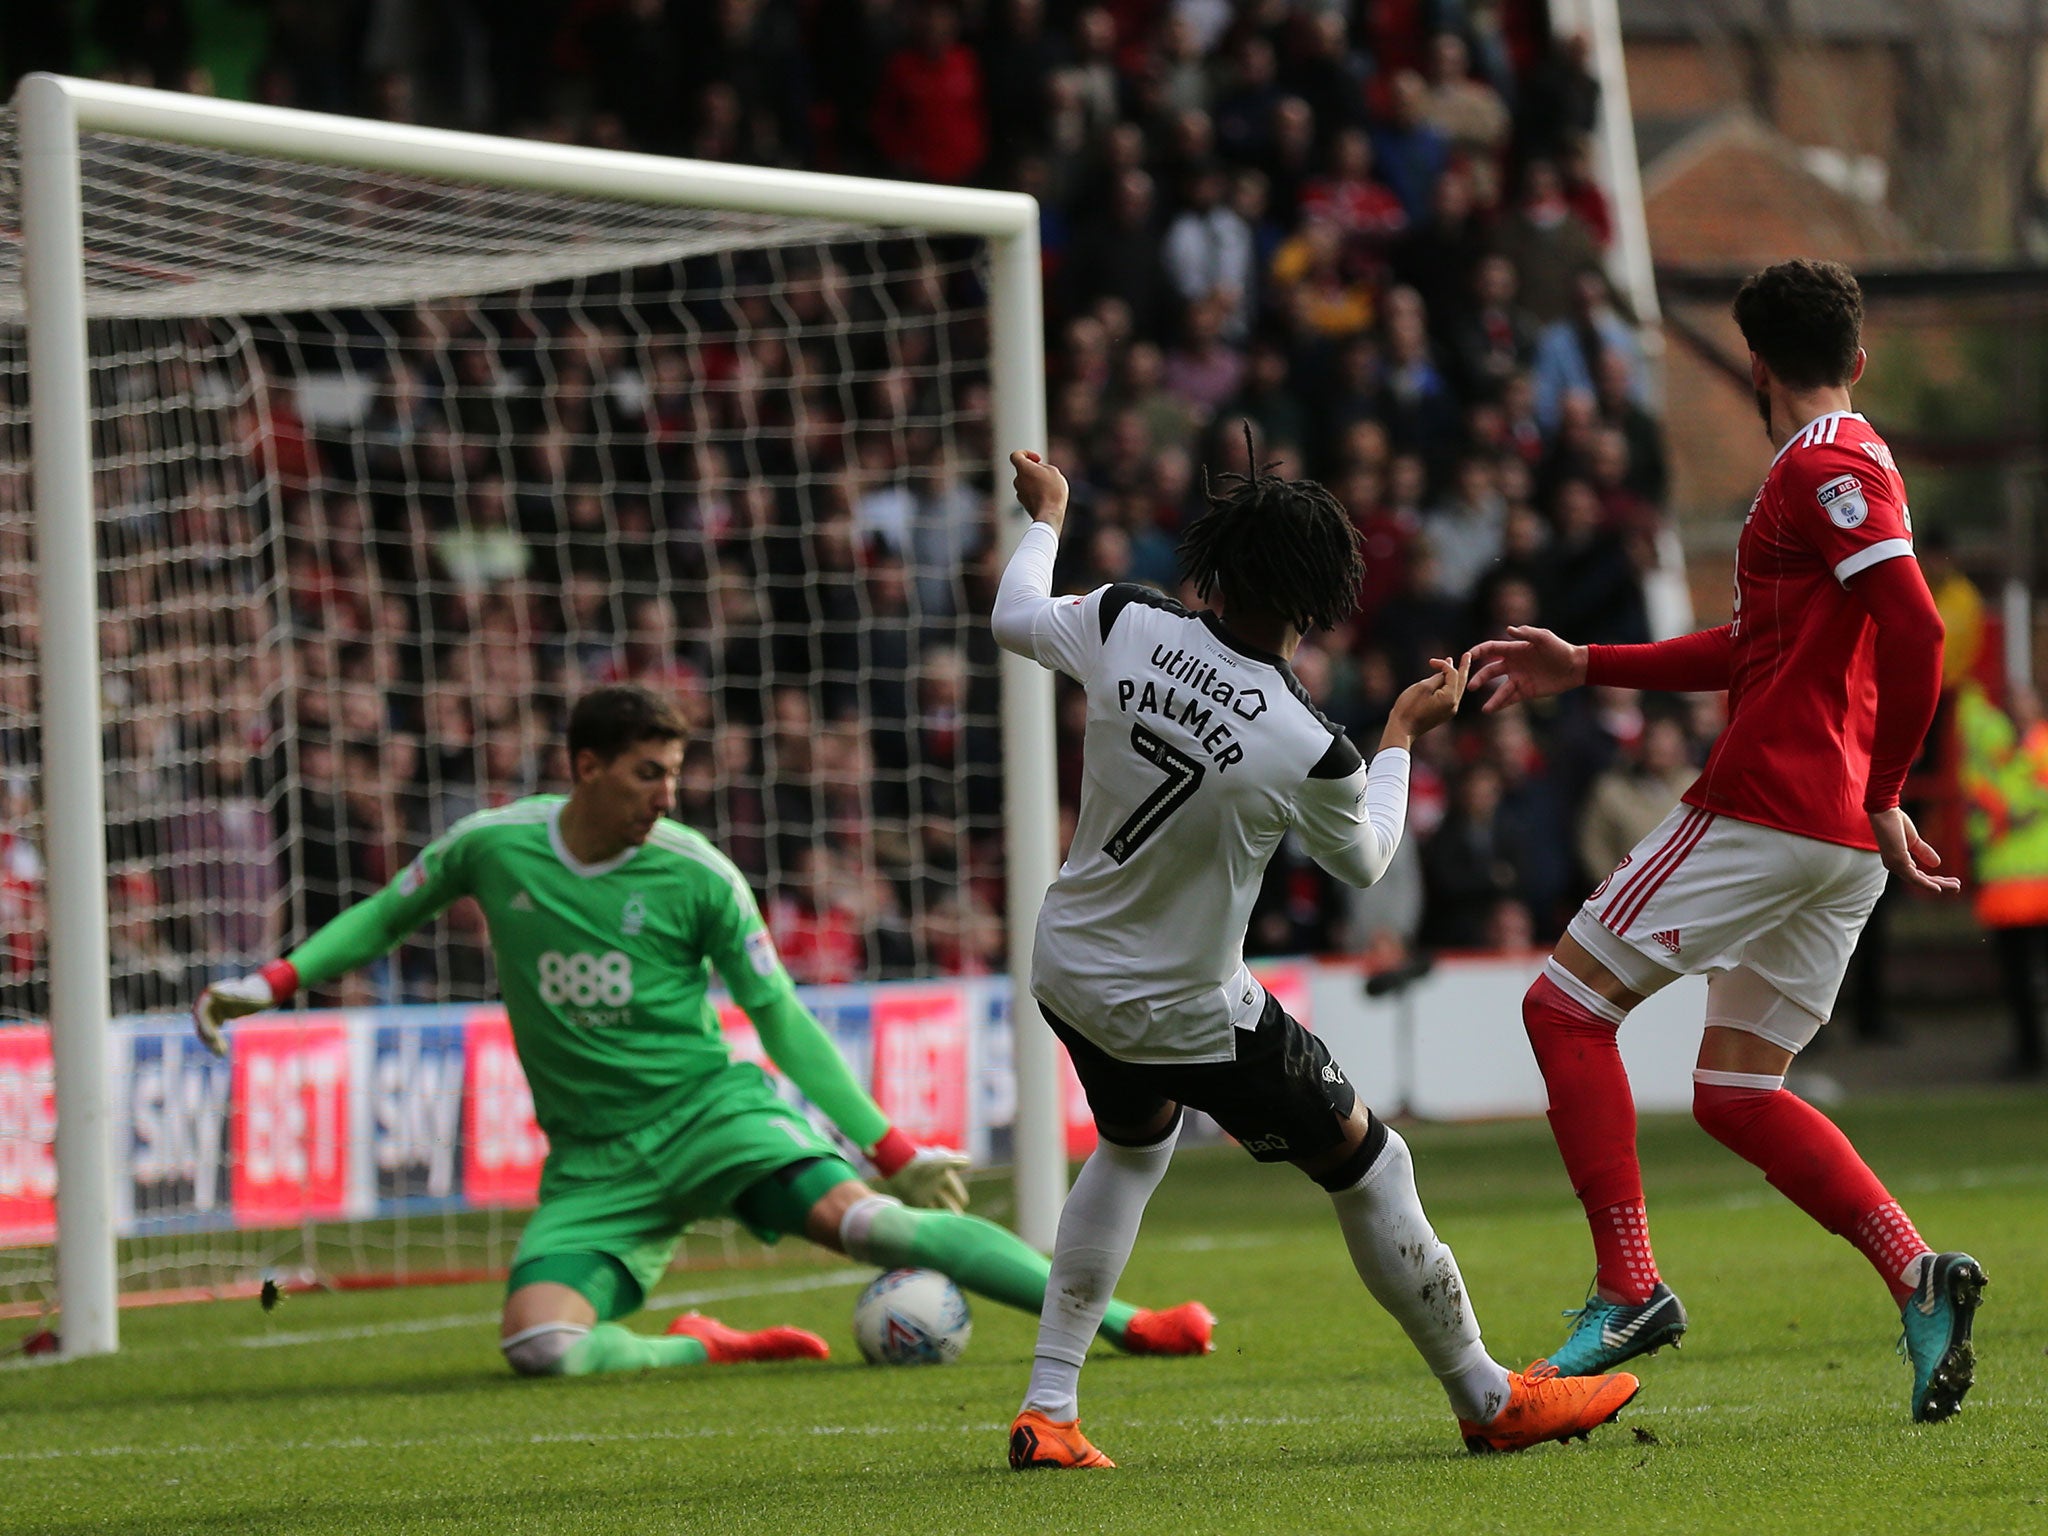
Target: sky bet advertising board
376, 1112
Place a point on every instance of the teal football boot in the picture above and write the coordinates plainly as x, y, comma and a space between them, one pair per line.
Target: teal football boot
1937, 1340
1609, 1332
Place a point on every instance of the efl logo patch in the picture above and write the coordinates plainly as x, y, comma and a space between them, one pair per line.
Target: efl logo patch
1842, 499
414, 877
761, 950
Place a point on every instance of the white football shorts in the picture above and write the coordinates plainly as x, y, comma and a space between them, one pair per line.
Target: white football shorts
1705, 893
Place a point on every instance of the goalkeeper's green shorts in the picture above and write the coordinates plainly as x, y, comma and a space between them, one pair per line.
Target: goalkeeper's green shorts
612, 1212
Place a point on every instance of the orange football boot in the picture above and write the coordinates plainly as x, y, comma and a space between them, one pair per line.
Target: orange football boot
1543, 1405
1182, 1330
1036, 1441
725, 1346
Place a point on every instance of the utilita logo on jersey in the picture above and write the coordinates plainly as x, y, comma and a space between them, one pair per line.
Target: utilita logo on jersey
1194, 700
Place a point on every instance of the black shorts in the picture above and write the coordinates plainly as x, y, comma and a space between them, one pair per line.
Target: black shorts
1283, 1098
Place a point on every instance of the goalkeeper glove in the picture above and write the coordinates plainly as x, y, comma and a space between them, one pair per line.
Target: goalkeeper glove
241, 995
922, 1176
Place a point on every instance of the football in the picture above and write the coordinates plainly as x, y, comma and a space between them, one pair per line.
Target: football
912, 1317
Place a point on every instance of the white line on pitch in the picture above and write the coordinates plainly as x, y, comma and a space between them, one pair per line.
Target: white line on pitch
365, 1331
787, 1287
611, 1437
1909, 1184
1208, 1242
870, 1431
783, 1287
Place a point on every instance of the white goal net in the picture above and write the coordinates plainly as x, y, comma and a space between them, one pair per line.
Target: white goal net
387, 469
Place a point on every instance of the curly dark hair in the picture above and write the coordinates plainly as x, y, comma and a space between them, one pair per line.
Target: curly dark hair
1280, 547
1804, 319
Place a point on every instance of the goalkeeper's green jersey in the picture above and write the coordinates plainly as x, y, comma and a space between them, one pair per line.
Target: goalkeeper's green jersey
604, 967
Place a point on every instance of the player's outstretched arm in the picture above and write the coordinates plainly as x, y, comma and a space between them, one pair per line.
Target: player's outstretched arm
807, 1056
1531, 663
740, 947
1350, 817
361, 934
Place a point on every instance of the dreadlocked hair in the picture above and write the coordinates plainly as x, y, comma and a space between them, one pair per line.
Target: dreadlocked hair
1283, 547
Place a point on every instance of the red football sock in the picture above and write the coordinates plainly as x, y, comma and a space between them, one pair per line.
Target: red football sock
1808, 1160
1593, 1117
1621, 1244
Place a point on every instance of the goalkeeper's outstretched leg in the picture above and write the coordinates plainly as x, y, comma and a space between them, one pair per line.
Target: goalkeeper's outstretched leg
591, 1256
988, 1260
553, 1327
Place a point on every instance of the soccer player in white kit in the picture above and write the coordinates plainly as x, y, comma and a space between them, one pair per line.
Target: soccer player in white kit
1764, 876
1201, 751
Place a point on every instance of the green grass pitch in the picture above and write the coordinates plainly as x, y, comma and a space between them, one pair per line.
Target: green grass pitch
1785, 1411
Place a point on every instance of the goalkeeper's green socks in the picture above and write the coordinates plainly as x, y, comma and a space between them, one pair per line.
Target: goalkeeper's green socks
570, 1349
608, 1347
976, 1255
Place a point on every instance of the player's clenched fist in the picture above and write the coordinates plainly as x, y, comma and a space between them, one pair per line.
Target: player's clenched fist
1041, 489
1424, 706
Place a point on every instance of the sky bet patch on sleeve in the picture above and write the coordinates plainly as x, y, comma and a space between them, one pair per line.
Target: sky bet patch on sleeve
1842, 499
761, 950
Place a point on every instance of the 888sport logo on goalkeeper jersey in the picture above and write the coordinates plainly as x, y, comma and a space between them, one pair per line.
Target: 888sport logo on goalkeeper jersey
592, 991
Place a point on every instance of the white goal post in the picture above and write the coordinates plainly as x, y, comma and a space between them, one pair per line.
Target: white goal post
53, 112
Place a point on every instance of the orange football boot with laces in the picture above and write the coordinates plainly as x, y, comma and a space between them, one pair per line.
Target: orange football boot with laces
1036, 1441
1543, 1405
1183, 1330
727, 1346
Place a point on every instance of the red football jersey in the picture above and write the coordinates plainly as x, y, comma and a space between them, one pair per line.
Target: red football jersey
1802, 693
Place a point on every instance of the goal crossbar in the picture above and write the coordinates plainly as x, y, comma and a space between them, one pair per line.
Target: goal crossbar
54, 112
536, 165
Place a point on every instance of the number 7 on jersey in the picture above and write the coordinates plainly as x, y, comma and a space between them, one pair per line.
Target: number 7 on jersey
1183, 778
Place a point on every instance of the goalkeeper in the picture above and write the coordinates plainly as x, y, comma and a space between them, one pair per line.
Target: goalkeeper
605, 920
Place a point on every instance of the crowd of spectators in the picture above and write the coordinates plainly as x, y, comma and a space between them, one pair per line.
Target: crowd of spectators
1363, 232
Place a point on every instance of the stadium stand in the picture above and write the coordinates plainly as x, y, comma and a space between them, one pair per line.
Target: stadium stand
1357, 227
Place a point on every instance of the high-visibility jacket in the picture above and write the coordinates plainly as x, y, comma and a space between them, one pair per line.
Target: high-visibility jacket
2004, 779
1961, 607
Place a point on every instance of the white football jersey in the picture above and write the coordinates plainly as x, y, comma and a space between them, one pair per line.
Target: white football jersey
1201, 753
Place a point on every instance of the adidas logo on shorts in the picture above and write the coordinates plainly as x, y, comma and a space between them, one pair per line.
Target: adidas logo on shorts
1668, 938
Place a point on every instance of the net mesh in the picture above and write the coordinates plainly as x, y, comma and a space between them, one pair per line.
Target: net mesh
387, 471
175, 230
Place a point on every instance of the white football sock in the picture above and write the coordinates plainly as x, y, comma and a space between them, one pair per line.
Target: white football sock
1098, 1225
1412, 1274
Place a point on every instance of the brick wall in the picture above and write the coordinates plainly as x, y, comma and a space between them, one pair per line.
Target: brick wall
1682, 79
1842, 95
1736, 196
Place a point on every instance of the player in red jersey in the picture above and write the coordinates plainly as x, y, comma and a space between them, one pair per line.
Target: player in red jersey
1764, 876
